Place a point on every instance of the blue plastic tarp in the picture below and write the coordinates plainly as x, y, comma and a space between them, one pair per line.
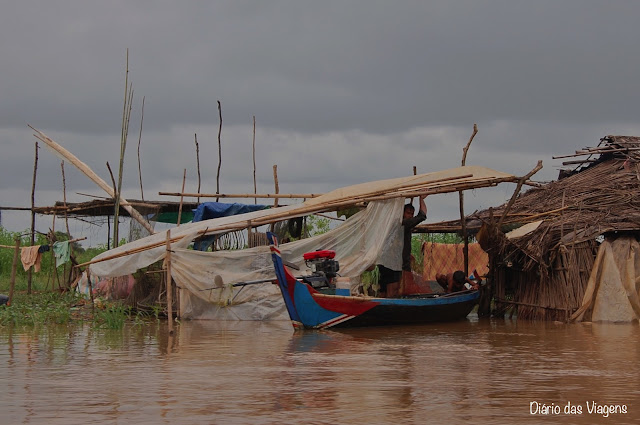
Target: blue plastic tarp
209, 210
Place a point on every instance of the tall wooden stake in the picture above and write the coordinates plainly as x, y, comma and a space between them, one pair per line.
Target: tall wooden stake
14, 267
255, 187
139, 140
219, 150
66, 222
184, 177
275, 182
195, 136
126, 114
93, 304
169, 288
33, 218
463, 222
277, 191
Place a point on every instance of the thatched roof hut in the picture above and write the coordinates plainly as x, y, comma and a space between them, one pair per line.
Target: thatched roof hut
543, 269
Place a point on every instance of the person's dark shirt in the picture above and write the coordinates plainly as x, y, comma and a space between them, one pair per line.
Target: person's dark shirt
409, 224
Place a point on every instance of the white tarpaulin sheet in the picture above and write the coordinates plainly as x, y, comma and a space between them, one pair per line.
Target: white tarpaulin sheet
613, 290
372, 236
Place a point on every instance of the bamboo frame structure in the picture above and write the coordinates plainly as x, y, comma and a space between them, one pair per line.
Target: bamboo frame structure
59, 150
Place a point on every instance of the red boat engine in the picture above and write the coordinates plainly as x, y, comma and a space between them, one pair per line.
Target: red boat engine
323, 267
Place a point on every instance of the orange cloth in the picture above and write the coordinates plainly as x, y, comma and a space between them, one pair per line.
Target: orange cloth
30, 256
442, 258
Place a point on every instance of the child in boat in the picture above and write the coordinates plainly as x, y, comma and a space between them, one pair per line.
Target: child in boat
455, 282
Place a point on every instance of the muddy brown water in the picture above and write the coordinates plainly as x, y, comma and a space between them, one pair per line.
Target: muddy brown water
481, 372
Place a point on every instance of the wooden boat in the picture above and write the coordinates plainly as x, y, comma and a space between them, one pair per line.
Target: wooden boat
310, 308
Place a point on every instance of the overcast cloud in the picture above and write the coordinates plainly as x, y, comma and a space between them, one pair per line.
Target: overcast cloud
342, 91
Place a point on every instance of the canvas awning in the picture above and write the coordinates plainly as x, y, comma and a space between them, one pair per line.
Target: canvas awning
138, 254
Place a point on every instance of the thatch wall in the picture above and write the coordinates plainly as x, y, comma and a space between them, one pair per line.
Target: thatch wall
544, 274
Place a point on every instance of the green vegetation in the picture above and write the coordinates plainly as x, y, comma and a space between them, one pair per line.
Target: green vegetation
315, 225
48, 273
47, 306
39, 309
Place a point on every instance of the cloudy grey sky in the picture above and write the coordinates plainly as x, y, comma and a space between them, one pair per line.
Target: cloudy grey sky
342, 91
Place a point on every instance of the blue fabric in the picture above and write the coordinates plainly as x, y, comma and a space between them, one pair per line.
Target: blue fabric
209, 210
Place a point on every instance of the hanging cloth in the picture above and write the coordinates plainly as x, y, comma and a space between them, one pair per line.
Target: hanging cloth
62, 252
31, 256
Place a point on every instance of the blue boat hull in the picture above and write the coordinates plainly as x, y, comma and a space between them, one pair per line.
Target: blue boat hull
310, 309
403, 314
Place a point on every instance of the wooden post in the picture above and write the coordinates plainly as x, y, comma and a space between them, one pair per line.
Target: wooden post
523, 179
66, 222
184, 177
275, 182
195, 136
167, 262
219, 150
139, 140
33, 218
249, 237
463, 222
93, 304
255, 187
277, 191
14, 266
126, 113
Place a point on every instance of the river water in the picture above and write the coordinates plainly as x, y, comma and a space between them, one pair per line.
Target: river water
474, 371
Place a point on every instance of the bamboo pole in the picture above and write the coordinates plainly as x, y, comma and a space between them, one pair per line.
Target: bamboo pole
537, 168
334, 205
249, 236
66, 222
219, 149
244, 195
275, 182
255, 187
115, 217
93, 304
51, 238
312, 209
65, 154
169, 288
597, 151
277, 191
195, 136
123, 145
33, 217
315, 195
14, 267
184, 177
463, 222
139, 140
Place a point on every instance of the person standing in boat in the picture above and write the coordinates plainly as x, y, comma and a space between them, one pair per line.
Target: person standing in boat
388, 276
408, 223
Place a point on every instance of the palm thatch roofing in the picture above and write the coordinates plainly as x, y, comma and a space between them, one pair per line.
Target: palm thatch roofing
599, 195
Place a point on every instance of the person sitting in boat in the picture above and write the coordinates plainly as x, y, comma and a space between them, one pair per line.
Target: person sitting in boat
387, 275
455, 282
